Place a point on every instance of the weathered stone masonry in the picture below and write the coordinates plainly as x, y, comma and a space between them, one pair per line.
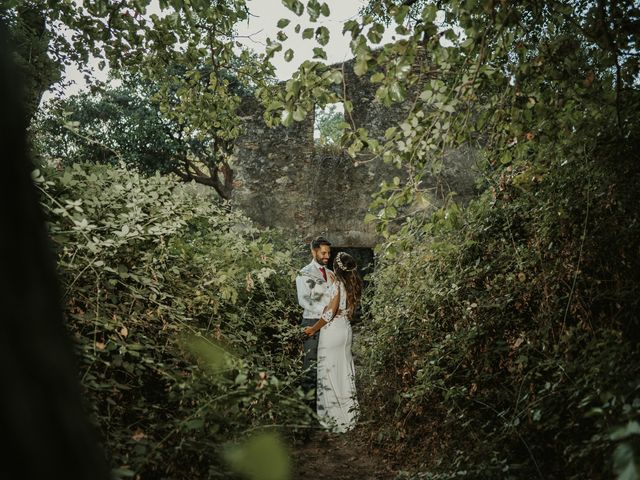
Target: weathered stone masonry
284, 180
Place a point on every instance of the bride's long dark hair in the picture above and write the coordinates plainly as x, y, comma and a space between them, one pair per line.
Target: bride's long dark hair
346, 270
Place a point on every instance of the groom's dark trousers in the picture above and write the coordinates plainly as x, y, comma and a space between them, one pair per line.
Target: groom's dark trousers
310, 379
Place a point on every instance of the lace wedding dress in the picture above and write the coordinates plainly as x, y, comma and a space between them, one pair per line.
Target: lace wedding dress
337, 405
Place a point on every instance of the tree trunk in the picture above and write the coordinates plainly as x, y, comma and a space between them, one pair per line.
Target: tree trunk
224, 187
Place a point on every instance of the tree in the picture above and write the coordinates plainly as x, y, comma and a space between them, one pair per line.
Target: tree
190, 55
108, 126
125, 124
329, 124
187, 50
48, 35
488, 74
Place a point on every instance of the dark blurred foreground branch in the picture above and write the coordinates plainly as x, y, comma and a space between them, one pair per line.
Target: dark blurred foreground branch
47, 434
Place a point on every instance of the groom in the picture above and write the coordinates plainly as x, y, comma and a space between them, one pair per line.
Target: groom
312, 283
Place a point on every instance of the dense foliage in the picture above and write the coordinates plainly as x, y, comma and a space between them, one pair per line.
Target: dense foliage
125, 124
186, 50
114, 125
328, 123
183, 316
503, 334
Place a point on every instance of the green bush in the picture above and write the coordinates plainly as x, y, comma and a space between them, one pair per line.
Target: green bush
183, 316
504, 336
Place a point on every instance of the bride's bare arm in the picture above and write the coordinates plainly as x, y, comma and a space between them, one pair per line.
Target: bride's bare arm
328, 313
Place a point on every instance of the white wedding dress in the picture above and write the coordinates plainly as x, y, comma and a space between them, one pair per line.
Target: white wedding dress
337, 405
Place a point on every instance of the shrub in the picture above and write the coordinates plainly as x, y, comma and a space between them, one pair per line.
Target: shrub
183, 316
503, 339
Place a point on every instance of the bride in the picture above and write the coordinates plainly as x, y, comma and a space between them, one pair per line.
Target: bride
337, 405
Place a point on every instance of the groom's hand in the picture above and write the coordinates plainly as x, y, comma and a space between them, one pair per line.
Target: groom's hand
308, 331
302, 336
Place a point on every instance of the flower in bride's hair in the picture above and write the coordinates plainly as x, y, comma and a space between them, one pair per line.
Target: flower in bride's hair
339, 258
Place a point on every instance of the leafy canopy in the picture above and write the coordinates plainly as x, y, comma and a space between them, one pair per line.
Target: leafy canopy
492, 74
504, 332
185, 51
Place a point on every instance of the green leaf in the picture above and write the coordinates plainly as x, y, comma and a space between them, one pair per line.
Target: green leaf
351, 26
354, 148
390, 132
319, 53
194, 424
122, 472
467, 43
286, 117
336, 76
397, 92
307, 33
426, 95
624, 464
288, 55
377, 77
390, 212
274, 47
429, 13
632, 428
322, 35
401, 14
211, 356
348, 106
283, 22
361, 67
299, 114
382, 94
261, 457
375, 33
313, 8
295, 6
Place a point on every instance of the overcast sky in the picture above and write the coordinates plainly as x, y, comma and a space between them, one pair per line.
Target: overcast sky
262, 23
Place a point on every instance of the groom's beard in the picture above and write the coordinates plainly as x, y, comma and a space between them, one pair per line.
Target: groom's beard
322, 262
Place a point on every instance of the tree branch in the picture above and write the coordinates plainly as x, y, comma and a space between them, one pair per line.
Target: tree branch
192, 173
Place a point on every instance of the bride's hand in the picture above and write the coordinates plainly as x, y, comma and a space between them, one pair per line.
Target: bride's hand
308, 331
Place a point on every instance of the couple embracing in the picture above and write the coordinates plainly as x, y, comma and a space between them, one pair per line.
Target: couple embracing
329, 298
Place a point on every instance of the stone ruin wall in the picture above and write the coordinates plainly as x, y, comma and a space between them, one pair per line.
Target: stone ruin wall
284, 180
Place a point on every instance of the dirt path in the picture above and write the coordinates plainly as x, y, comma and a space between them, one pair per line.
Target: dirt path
338, 457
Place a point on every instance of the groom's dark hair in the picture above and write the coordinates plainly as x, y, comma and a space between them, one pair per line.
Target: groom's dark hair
319, 241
